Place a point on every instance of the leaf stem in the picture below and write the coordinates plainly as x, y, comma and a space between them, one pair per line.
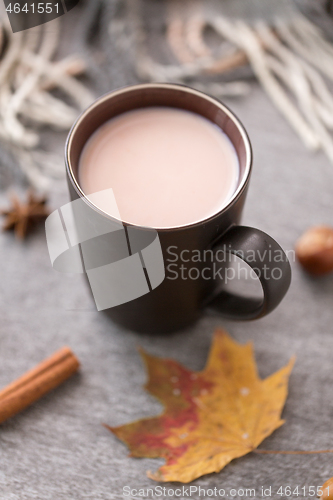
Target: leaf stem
291, 452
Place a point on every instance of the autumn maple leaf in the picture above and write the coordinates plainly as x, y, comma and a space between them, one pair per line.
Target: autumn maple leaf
327, 490
210, 417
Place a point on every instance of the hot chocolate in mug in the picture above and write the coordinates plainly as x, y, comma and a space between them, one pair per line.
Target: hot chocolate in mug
193, 243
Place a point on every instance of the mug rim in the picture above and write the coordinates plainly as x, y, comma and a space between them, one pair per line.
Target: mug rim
130, 88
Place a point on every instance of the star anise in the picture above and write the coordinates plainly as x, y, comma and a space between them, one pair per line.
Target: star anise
21, 216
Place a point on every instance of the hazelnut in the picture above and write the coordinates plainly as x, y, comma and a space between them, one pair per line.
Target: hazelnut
314, 250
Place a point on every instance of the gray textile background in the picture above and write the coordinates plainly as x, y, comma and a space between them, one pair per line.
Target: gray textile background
58, 448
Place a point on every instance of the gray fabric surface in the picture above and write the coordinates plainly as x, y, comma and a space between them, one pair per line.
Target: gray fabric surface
58, 448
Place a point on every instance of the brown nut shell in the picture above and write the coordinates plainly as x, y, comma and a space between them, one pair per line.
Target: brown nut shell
314, 250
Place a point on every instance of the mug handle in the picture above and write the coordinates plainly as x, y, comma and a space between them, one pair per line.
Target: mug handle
244, 242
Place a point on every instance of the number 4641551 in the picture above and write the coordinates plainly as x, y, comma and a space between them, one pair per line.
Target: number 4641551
39, 8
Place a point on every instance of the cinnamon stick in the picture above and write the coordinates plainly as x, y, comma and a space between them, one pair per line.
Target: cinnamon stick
36, 382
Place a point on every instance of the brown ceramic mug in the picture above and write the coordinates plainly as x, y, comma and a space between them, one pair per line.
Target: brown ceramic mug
177, 302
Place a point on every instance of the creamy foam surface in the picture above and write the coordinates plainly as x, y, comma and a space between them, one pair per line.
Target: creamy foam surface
167, 167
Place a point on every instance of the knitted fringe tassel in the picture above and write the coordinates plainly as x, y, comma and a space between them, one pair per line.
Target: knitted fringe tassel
291, 62
28, 75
